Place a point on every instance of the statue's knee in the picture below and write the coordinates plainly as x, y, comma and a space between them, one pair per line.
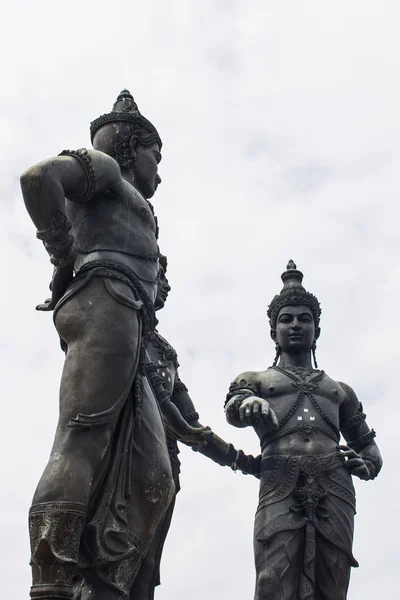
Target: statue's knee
268, 580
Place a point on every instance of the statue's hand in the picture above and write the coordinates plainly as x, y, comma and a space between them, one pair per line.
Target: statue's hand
192, 436
253, 410
355, 463
62, 276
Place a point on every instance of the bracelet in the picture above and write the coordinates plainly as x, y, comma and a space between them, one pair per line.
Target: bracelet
65, 261
373, 463
59, 248
193, 416
59, 225
352, 421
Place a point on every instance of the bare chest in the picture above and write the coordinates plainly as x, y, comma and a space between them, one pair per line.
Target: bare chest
302, 401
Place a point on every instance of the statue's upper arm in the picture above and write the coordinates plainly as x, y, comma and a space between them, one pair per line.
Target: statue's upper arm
247, 380
351, 414
78, 173
97, 171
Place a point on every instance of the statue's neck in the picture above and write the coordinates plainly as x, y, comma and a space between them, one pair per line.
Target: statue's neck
302, 359
128, 175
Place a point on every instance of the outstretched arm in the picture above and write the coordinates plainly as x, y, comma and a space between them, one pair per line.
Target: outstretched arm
183, 431
362, 454
215, 448
76, 175
244, 405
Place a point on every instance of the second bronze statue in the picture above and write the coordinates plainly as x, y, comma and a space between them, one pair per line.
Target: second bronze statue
303, 531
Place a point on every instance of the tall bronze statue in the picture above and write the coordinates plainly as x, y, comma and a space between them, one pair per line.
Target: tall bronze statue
108, 482
162, 371
303, 531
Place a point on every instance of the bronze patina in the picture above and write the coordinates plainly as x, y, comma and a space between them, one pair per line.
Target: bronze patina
108, 482
303, 530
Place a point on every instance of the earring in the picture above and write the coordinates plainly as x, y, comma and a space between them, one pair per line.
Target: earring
314, 349
277, 354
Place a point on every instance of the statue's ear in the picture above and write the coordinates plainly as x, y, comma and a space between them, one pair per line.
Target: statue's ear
272, 333
317, 333
133, 144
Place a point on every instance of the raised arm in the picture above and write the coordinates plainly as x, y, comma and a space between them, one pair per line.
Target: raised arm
77, 175
363, 459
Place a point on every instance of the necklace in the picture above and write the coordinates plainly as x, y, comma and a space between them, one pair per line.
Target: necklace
302, 372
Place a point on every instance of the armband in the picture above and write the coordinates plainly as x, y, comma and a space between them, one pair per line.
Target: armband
83, 157
242, 388
362, 441
179, 387
352, 421
57, 240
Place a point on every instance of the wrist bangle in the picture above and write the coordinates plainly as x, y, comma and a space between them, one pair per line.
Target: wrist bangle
65, 261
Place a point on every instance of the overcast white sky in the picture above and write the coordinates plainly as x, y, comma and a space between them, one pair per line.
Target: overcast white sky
280, 123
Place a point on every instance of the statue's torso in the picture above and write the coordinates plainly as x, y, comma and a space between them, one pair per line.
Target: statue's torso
307, 409
117, 225
161, 362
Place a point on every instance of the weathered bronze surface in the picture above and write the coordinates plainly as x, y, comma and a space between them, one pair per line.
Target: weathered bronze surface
304, 522
108, 482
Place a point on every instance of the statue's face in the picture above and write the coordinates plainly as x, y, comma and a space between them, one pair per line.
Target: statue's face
163, 290
295, 329
145, 168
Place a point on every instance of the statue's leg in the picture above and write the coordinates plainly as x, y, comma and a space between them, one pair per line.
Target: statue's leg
332, 571
149, 575
103, 339
278, 563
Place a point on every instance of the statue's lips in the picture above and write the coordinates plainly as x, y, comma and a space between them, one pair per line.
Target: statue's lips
296, 336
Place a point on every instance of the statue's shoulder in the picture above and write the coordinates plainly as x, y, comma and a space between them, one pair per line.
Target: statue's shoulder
251, 377
163, 347
251, 380
101, 171
350, 396
106, 168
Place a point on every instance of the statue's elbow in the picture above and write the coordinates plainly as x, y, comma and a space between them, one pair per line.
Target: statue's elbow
34, 178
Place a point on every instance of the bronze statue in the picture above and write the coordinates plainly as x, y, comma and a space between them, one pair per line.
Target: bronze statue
162, 372
303, 529
108, 482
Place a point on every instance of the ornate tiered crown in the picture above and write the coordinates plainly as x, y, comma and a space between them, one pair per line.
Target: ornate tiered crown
293, 293
126, 110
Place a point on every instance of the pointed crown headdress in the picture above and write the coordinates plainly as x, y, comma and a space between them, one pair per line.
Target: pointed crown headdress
293, 293
125, 110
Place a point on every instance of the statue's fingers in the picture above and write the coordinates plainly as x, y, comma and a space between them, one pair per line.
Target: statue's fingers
46, 306
241, 412
274, 418
256, 410
265, 410
206, 434
352, 463
350, 454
